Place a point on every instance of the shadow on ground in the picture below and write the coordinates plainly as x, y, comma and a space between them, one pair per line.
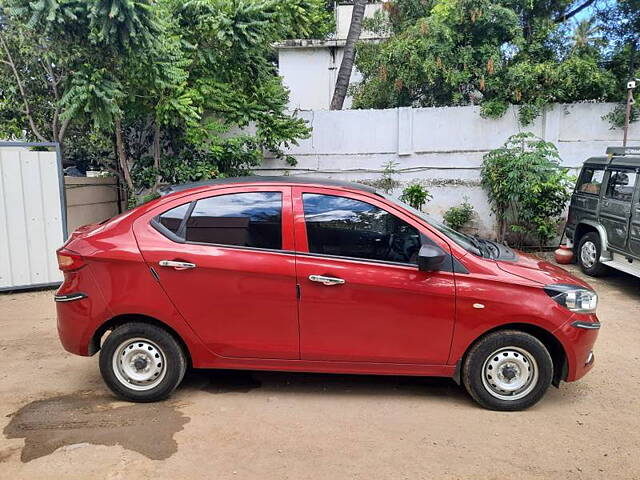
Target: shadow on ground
229, 381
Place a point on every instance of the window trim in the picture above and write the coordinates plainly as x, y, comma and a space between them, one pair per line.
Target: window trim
454, 266
290, 195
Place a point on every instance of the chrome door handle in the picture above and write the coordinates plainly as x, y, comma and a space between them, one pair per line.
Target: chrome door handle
176, 265
326, 280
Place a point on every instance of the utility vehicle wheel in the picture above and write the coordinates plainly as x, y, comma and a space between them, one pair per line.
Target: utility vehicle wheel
507, 370
589, 251
141, 362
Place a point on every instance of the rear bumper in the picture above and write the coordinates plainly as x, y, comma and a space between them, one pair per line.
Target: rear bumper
80, 309
578, 337
73, 326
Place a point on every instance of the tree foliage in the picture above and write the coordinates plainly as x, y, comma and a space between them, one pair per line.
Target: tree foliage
170, 90
458, 216
497, 53
527, 188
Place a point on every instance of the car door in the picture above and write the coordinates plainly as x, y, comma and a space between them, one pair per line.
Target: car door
615, 207
226, 261
634, 229
585, 198
362, 297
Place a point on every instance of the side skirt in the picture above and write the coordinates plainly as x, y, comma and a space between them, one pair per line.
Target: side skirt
364, 368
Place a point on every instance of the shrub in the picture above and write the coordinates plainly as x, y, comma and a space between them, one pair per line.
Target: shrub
416, 196
527, 188
457, 217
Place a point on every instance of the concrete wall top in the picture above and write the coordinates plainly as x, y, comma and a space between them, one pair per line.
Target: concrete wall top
441, 148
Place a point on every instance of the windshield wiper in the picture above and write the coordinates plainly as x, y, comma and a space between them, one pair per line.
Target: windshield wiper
476, 243
493, 246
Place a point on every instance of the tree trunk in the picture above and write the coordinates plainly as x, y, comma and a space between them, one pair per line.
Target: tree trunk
346, 66
156, 154
122, 155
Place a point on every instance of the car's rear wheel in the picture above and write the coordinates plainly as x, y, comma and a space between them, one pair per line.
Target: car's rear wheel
141, 362
507, 370
589, 250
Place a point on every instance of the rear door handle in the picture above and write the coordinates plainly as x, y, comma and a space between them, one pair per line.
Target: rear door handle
176, 265
328, 281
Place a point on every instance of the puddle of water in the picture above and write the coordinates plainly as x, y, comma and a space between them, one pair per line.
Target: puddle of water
82, 418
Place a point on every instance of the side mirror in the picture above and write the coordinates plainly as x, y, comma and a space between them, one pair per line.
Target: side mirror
430, 258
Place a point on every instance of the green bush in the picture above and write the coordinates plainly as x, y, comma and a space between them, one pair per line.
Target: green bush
416, 196
457, 217
527, 188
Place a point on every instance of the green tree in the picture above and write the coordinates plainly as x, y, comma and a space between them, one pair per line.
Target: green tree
587, 34
348, 57
189, 84
465, 52
527, 188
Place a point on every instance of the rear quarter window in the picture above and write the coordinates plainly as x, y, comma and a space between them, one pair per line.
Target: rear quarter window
172, 219
591, 180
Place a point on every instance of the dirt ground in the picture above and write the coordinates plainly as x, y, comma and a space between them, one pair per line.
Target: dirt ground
59, 420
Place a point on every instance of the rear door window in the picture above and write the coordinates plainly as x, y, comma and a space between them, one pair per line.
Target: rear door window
621, 185
251, 219
591, 181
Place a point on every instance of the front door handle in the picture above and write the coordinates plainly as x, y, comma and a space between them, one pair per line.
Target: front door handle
176, 265
326, 280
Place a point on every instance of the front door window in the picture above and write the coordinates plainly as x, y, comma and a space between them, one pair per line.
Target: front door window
346, 227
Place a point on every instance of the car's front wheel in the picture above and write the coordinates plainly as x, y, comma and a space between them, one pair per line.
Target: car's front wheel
507, 370
141, 362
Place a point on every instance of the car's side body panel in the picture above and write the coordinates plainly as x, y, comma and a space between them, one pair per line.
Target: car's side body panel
634, 226
390, 318
384, 312
614, 215
116, 283
241, 301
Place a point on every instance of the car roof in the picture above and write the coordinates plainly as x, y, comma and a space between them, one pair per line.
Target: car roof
618, 161
258, 179
617, 157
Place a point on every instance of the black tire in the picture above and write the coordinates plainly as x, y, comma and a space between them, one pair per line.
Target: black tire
153, 344
483, 355
597, 269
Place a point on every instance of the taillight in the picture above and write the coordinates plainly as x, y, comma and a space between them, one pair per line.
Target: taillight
69, 261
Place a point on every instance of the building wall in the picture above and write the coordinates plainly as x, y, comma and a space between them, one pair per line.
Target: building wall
343, 19
310, 75
90, 200
441, 148
309, 68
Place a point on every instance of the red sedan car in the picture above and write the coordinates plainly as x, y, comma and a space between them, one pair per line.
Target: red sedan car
315, 276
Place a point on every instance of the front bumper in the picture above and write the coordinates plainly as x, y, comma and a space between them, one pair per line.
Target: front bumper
578, 337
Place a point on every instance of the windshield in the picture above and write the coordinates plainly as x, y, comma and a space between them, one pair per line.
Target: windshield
465, 241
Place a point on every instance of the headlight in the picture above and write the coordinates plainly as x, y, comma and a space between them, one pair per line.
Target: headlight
575, 298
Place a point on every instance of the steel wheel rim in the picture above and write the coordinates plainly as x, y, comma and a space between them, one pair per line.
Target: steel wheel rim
588, 254
510, 373
139, 364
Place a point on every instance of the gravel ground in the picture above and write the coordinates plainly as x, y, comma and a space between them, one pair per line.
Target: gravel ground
59, 421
